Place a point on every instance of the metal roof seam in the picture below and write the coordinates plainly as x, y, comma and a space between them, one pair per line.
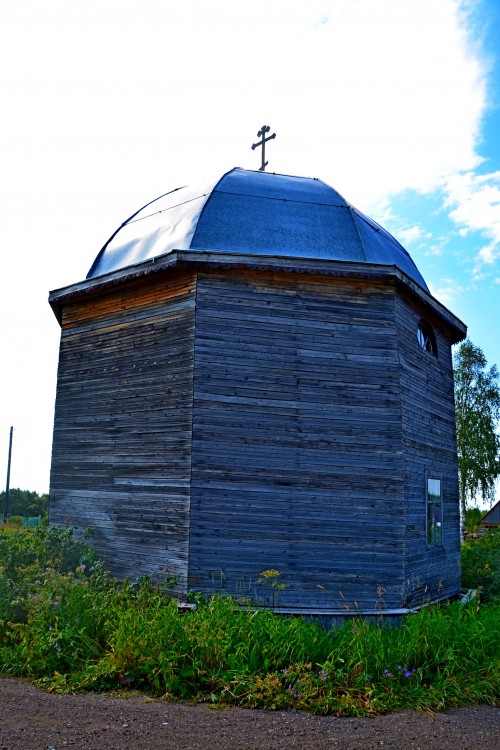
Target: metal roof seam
162, 210
127, 221
377, 228
208, 201
288, 200
351, 211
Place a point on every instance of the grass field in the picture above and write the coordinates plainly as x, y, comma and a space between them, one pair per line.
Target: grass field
67, 625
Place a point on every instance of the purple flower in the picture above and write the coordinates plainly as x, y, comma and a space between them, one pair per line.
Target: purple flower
323, 675
58, 650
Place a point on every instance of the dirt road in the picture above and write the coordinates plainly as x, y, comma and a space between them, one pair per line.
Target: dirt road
33, 720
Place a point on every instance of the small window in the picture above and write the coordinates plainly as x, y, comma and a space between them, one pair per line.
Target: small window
434, 512
426, 338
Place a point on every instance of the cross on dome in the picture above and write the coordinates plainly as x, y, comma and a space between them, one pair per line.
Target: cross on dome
262, 132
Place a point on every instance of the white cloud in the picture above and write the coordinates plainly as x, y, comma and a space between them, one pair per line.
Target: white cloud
108, 104
475, 202
409, 235
448, 291
372, 97
437, 247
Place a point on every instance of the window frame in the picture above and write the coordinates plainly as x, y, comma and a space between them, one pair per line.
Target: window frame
430, 530
426, 337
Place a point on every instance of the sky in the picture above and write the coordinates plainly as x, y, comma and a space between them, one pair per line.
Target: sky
107, 104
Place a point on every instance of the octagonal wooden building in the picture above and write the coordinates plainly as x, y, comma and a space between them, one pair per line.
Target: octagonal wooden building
255, 376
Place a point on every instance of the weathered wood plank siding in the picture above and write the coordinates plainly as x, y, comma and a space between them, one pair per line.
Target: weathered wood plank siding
428, 421
121, 460
297, 444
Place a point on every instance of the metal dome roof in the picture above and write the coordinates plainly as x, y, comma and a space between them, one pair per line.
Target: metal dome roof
257, 213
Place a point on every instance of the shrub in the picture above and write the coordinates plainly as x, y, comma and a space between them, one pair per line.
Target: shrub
481, 565
473, 518
15, 521
74, 628
30, 556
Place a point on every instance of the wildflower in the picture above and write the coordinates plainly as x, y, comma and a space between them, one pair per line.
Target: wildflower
387, 673
58, 650
322, 675
285, 671
293, 691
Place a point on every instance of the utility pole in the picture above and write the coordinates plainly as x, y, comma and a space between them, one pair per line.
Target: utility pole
7, 486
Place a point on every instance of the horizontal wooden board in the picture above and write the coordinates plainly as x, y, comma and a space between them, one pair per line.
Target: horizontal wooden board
121, 459
216, 424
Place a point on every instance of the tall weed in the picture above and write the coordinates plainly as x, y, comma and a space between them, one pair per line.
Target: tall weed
74, 628
481, 565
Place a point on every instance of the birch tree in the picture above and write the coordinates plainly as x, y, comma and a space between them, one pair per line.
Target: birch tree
477, 409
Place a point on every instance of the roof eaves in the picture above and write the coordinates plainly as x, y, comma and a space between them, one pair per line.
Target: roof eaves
210, 259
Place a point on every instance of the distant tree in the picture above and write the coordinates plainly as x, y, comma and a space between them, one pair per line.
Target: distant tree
477, 408
473, 518
25, 503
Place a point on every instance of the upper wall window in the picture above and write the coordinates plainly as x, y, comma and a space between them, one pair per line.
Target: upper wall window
426, 337
434, 511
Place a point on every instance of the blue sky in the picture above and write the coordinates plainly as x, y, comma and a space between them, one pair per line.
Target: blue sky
110, 103
457, 245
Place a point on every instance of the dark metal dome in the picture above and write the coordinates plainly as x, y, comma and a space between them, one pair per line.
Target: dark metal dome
256, 213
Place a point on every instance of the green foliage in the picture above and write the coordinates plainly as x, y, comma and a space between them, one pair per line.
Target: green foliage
477, 409
481, 565
30, 557
473, 518
15, 521
78, 629
25, 503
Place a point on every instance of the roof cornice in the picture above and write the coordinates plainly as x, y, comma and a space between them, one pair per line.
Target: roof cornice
200, 259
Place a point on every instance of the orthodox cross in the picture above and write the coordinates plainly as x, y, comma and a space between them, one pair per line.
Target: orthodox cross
262, 132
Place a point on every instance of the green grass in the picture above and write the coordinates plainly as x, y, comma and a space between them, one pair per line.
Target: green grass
481, 565
69, 627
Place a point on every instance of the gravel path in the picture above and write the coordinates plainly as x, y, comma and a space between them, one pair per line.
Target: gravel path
33, 720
